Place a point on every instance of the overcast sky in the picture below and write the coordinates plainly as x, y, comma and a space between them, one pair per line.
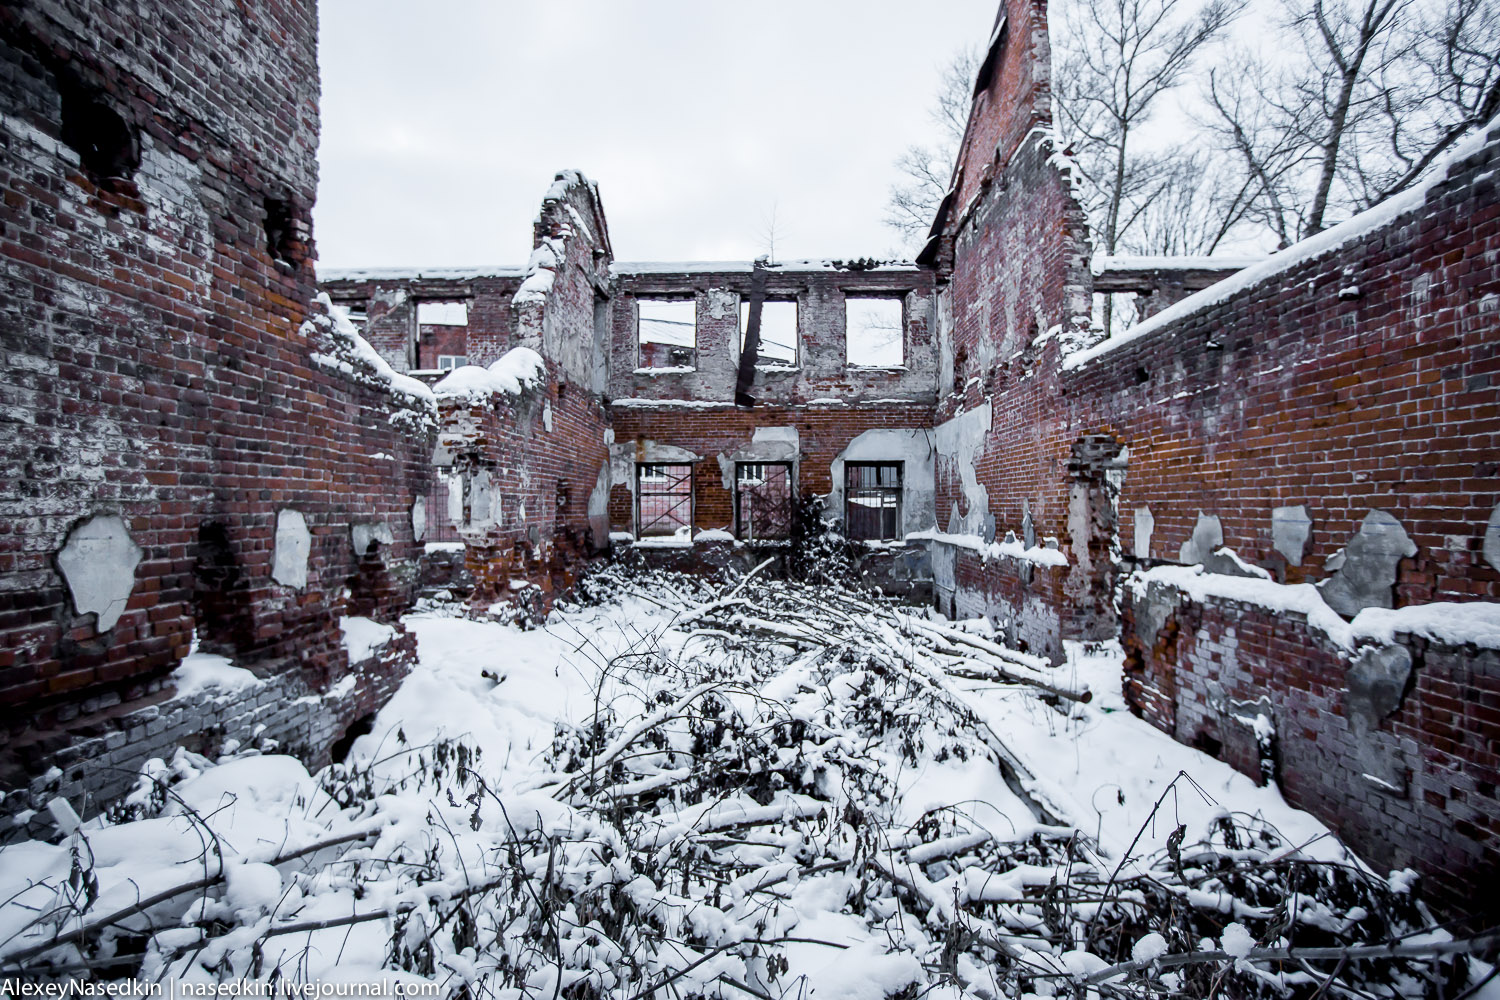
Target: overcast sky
444, 122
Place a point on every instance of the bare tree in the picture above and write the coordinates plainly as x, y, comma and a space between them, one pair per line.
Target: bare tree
1117, 61
928, 169
1376, 90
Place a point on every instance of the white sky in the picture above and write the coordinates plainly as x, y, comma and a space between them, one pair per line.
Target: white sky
445, 121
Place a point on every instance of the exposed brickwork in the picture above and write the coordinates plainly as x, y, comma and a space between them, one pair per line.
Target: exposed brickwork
389, 298
820, 290
1362, 378
823, 432
1214, 665
158, 367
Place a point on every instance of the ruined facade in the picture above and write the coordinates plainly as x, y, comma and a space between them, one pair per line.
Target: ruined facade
1279, 491
197, 455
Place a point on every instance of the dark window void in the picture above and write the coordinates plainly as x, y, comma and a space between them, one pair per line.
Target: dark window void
667, 333
763, 500
279, 229
778, 331
664, 498
872, 500
107, 147
873, 332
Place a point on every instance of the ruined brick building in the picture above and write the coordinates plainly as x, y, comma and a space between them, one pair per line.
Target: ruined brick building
1280, 491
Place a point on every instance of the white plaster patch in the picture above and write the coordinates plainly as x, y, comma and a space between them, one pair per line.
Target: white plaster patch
418, 518
910, 446
1290, 529
767, 444
365, 533
98, 563
293, 543
960, 442
721, 302
1492, 539
599, 504
547, 415
480, 513
455, 498
1208, 536
1145, 524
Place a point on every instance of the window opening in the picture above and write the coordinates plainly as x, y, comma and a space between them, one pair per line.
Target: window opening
106, 145
280, 229
667, 333
778, 330
873, 332
872, 500
763, 500
448, 362
664, 498
443, 313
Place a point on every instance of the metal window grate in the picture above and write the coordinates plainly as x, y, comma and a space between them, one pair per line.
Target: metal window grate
872, 500
763, 500
664, 498
440, 526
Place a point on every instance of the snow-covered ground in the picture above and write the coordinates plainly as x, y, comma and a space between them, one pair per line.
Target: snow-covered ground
703, 793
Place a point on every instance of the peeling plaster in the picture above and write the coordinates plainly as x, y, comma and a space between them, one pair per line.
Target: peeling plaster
367, 532
293, 543
481, 512
1208, 535
960, 441
599, 504
98, 564
1364, 571
767, 444
1290, 530
721, 302
1492, 539
1145, 524
418, 518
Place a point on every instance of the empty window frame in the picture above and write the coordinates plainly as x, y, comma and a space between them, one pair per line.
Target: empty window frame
667, 333
663, 499
778, 330
448, 362
874, 331
442, 314
872, 500
763, 500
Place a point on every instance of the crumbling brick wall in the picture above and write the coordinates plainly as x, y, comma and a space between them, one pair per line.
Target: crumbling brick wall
532, 454
821, 291
1330, 415
1413, 787
389, 298
716, 437
162, 387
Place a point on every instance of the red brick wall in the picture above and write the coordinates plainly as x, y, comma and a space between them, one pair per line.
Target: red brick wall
543, 452
1365, 378
820, 290
158, 366
1216, 664
823, 432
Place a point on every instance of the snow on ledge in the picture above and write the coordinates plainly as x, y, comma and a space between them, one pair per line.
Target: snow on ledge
1298, 253
1450, 623
361, 349
201, 672
521, 367
1010, 548
362, 636
1102, 263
